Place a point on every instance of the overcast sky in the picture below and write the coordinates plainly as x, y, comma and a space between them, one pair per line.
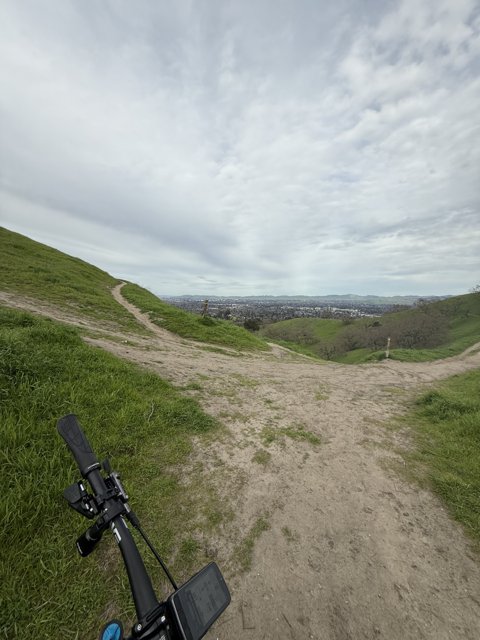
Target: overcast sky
247, 147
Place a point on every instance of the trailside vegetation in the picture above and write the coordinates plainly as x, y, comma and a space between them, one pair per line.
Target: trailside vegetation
130, 415
427, 332
46, 275
190, 325
446, 429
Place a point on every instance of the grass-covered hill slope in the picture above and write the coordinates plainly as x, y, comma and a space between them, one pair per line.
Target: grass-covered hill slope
428, 332
131, 415
450, 325
446, 429
190, 325
35, 270
310, 336
142, 423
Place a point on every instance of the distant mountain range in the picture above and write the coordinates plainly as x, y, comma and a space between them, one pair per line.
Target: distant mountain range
329, 299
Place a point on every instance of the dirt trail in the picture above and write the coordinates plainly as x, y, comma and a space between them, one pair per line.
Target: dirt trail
353, 550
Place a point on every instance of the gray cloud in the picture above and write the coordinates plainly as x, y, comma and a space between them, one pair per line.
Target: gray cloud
224, 147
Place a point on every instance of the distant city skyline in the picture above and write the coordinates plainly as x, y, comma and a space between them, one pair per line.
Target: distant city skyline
226, 148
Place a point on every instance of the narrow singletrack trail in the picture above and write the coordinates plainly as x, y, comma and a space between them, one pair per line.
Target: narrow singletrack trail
353, 550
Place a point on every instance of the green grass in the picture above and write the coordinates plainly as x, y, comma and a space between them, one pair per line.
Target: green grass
322, 394
306, 328
464, 330
243, 555
262, 457
356, 356
290, 536
223, 352
426, 355
314, 336
244, 381
303, 335
269, 435
297, 348
463, 315
139, 421
446, 424
189, 325
192, 386
32, 269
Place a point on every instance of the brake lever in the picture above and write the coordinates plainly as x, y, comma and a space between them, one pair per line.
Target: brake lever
78, 498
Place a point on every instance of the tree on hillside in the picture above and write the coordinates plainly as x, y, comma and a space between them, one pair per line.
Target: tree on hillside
328, 350
395, 308
252, 324
224, 314
352, 337
420, 330
422, 304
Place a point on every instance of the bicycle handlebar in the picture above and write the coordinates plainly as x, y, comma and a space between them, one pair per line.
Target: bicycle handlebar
140, 584
71, 431
108, 503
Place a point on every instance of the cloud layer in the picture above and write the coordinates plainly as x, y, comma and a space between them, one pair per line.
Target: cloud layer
248, 148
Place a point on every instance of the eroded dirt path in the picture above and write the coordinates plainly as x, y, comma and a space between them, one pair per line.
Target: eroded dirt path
352, 550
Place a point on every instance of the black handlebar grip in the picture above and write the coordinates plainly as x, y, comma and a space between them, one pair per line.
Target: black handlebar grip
71, 431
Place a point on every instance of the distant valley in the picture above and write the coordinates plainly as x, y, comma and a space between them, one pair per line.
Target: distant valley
266, 309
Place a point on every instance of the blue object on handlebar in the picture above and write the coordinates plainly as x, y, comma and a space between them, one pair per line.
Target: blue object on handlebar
112, 631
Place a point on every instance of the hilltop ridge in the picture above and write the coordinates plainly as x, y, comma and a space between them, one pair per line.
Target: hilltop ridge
33, 270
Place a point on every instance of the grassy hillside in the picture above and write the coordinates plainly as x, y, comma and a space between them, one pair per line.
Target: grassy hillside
45, 274
446, 427
305, 329
146, 428
433, 331
190, 325
310, 336
32, 269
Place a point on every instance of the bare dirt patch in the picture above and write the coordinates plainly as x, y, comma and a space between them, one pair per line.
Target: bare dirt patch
346, 549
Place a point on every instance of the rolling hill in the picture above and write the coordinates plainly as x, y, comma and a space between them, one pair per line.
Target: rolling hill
248, 493
46, 371
34, 270
428, 332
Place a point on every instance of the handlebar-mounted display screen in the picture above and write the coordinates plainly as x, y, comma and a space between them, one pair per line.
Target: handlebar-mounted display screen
199, 602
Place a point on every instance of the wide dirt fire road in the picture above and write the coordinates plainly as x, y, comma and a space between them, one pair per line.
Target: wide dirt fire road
352, 549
